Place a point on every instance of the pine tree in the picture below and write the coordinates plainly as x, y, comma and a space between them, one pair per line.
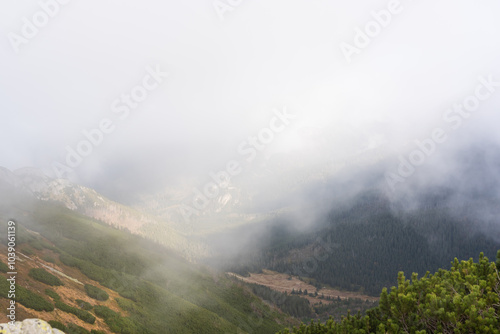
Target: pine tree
463, 299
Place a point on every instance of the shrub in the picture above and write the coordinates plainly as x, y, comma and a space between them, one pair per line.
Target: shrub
463, 299
83, 315
36, 244
3, 267
96, 293
26, 297
84, 305
57, 325
48, 258
125, 304
52, 294
68, 260
90, 270
75, 329
44, 276
32, 300
122, 325
104, 312
27, 251
115, 321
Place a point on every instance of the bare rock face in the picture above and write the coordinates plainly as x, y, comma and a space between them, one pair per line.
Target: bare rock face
29, 326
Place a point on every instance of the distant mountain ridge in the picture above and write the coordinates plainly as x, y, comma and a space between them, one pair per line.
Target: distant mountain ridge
33, 182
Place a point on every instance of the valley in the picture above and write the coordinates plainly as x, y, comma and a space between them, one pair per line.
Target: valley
269, 264
287, 283
250, 167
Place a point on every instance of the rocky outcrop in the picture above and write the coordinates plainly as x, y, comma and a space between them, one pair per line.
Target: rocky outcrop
29, 326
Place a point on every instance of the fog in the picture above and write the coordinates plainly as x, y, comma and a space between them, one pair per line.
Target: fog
138, 98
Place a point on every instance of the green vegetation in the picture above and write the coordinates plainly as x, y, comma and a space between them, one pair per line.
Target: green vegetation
39, 244
44, 276
105, 312
27, 251
96, 293
23, 237
57, 325
362, 247
75, 329
82, 314
337, 308
36, 244
115, 321
293, 305
71, 328
49, 259
25, 297
3, 267
83, 305
161, 292
51, 293
299, 307
464, 299
32, 300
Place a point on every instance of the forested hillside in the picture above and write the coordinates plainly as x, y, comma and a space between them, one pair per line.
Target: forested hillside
362, 246
464, 299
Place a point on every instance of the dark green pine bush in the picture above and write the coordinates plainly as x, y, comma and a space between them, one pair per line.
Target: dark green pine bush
464, 299
83, 315
44, 276
96, 293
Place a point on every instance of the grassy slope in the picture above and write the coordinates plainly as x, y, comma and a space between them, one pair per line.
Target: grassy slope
164, 292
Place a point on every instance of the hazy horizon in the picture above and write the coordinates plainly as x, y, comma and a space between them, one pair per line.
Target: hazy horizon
178, 91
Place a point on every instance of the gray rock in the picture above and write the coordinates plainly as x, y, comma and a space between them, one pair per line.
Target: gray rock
29, 326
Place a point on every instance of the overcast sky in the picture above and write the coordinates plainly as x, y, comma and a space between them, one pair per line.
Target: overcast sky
232, 65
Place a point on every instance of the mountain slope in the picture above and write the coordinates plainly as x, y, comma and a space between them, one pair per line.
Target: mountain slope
362, 245
463, 299
86, 201
152, 287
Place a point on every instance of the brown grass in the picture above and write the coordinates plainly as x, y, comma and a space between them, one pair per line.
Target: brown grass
281, 282
69, 292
